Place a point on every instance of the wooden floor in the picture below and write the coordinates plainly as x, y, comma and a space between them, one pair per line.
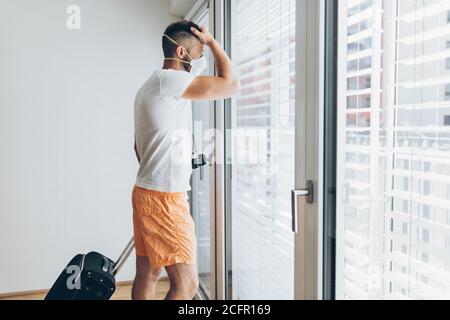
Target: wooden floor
123, 292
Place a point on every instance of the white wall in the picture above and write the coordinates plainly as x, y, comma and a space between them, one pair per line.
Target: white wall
67, 163
181, 8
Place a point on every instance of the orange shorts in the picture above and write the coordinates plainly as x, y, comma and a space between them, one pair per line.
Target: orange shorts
164, 230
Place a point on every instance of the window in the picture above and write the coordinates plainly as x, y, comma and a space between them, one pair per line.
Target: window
365, 101
352, 65
263, 51
352, 102
352, 83
365, 63
365, 5
447, 120
404, 228
426, 188
365, 24
425, 235
202, 198
353, 29
447, 92
365, 82
426, 212
399, 210
352, 48
404, 249
365, 44
352, 11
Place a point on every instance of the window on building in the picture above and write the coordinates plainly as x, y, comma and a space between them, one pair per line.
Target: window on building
412, 109
353, 29
447, 92
404, 228
425, 235
447, 120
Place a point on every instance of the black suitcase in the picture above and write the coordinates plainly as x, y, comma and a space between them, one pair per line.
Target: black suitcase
89, 277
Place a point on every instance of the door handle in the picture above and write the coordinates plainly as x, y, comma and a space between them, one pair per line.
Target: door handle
306, 195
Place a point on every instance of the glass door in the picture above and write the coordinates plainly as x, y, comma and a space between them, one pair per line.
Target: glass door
267, 147
203, 195
393, 179
263, 147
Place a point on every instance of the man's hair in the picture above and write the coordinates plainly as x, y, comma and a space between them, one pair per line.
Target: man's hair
179, 31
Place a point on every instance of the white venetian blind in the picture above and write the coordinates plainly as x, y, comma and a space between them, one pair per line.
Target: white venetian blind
263, 51
393, 233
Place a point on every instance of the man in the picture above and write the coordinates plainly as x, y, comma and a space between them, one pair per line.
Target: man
164, 231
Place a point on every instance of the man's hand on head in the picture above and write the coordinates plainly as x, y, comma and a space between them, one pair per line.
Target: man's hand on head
204, 36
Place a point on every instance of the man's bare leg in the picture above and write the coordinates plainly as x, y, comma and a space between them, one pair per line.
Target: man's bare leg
144, 285
183, 281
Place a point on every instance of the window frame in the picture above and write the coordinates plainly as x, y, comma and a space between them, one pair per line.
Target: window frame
330, 150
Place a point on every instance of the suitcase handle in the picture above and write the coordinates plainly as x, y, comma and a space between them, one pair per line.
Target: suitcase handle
123, 257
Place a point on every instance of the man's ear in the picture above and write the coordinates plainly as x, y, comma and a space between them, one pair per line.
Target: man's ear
180, 52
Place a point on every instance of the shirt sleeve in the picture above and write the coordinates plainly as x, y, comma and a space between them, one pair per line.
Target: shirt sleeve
174, 83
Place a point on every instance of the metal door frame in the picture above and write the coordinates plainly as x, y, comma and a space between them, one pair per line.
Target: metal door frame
195, 14
309, 160
310, 57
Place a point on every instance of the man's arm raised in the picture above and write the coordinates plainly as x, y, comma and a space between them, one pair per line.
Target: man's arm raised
222, 86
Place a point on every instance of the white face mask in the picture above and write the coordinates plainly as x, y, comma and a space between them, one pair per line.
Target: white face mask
198, 66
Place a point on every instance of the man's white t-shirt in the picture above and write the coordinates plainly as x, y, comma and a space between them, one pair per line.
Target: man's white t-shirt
163, 130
